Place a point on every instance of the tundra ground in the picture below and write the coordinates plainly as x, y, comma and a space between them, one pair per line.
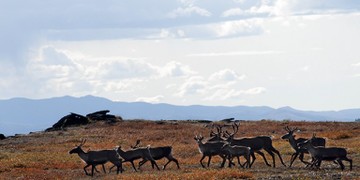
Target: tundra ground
44, 155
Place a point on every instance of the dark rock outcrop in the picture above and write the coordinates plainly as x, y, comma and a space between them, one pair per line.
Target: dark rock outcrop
103, 116
72, 119
2, 136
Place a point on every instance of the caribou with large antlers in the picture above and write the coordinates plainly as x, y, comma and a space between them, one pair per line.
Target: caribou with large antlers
255, 143
218, 135
295, 144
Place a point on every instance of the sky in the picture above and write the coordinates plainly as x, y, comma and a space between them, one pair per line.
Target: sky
299, 53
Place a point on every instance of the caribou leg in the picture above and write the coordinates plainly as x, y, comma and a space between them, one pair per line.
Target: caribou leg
263, 156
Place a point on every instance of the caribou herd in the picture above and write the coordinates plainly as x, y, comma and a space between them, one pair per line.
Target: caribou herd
221, 143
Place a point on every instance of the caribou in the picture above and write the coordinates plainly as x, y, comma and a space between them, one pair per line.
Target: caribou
209, 149
237, 151
134, 154
255, 143
328, 154
158, 153
94, 158
294, 143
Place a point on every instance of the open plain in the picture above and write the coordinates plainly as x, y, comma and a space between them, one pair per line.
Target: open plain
44, 155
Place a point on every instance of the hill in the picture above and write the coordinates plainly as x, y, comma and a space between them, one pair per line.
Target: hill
21, 115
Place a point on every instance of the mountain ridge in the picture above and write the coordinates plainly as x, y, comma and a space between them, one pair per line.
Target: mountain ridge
22, 115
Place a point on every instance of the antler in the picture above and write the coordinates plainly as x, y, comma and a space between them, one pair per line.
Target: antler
136, 145
219, 127
288, 129
227, 134
235, 130
235, 127
82, 142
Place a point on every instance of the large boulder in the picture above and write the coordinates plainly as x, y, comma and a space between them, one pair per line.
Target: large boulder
2, 136
103, 116
72, 119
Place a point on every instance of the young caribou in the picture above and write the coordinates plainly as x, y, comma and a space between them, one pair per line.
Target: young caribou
158, 153
94, 158
328, 154
134, 154
210, 149
237, 151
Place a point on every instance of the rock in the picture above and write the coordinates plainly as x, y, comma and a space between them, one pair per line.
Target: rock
72, 119
103, 116
2, 136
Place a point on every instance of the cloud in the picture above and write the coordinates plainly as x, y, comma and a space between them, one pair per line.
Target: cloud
154, 99
263, 8
55, 72
238, 28
305, 68
78, 21
356, 64
254, 91
226, 75
176, 69
221, 85
233, 12
193, 85
188, 11
125, 69
226, 94
236, 53
52, 63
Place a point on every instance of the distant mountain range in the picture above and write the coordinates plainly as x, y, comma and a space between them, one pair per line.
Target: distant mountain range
21, 115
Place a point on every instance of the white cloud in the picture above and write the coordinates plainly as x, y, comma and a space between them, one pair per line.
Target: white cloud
154, 99
356, 64
227, 94
226, 75
236, 28
233, 12
125, 69
116, 86
52, 63
163, 48
236, 53
239, 1
188, 11
283, 7
305, 68
176, 69
221, 85
192, 86
254, 91
263, 9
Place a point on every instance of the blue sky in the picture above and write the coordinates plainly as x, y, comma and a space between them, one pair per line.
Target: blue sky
303, 54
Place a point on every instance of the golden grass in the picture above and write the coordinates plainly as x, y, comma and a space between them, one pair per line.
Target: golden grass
45, 155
